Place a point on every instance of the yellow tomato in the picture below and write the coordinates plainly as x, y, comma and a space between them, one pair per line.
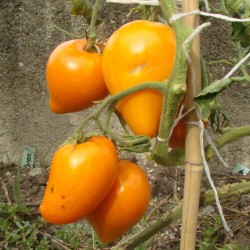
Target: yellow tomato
138, 52
80, 177
74, 77
124, 205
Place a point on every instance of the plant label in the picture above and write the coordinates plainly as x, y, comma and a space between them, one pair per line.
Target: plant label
241, 169
28, 157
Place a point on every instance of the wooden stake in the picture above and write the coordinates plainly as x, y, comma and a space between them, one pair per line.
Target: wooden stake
194, 168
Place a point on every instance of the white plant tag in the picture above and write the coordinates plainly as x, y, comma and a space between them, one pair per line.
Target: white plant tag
28, 157
241, 169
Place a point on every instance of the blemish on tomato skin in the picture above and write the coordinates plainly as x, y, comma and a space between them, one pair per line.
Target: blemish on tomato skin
62, 206
62, 196
138, 68
52, 189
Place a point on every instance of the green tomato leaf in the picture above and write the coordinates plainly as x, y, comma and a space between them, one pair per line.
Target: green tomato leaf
214, 88
240, 33
205, 107
206, 99
82, 8
237, 7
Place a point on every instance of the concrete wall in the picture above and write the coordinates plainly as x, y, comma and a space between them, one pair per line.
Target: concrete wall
27, 39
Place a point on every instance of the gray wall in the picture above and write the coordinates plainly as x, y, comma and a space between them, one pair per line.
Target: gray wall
27, 38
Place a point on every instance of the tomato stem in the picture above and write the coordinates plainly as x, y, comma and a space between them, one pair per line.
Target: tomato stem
91, 28
228, 135
122, 121
111, 101
175, 89
242, 67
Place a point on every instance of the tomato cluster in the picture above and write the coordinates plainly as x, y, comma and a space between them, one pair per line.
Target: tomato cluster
87, 179
76, 78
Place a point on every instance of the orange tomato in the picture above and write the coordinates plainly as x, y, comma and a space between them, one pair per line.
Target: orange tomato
178, 137
124, 205
80, 177
140, 51
74, 77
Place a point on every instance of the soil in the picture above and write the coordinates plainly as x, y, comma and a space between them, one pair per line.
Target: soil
24, 48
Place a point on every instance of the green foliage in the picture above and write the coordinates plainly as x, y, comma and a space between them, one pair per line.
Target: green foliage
147, 12
233, 245
16, 187
82, 8
239, 7
210, 236
241, 31
18, 230
74, 235
218, 117
206, 99
148, 243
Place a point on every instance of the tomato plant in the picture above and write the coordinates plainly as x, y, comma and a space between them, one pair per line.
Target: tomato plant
124, 205
86, 179
74, 77
80, 177
140, 51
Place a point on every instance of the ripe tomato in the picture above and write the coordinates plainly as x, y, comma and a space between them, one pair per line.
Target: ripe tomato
178, 137
124, 205
138, 52
80, 177
74, 77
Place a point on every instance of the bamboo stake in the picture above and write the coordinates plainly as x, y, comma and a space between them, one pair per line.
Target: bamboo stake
193, 159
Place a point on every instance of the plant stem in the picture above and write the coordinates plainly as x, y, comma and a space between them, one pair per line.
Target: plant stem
96, 7
228, 135
224, 192
242, 67
220, 61
107, 130
222, 9
66, 32
122, 122
176, 87
112, 99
